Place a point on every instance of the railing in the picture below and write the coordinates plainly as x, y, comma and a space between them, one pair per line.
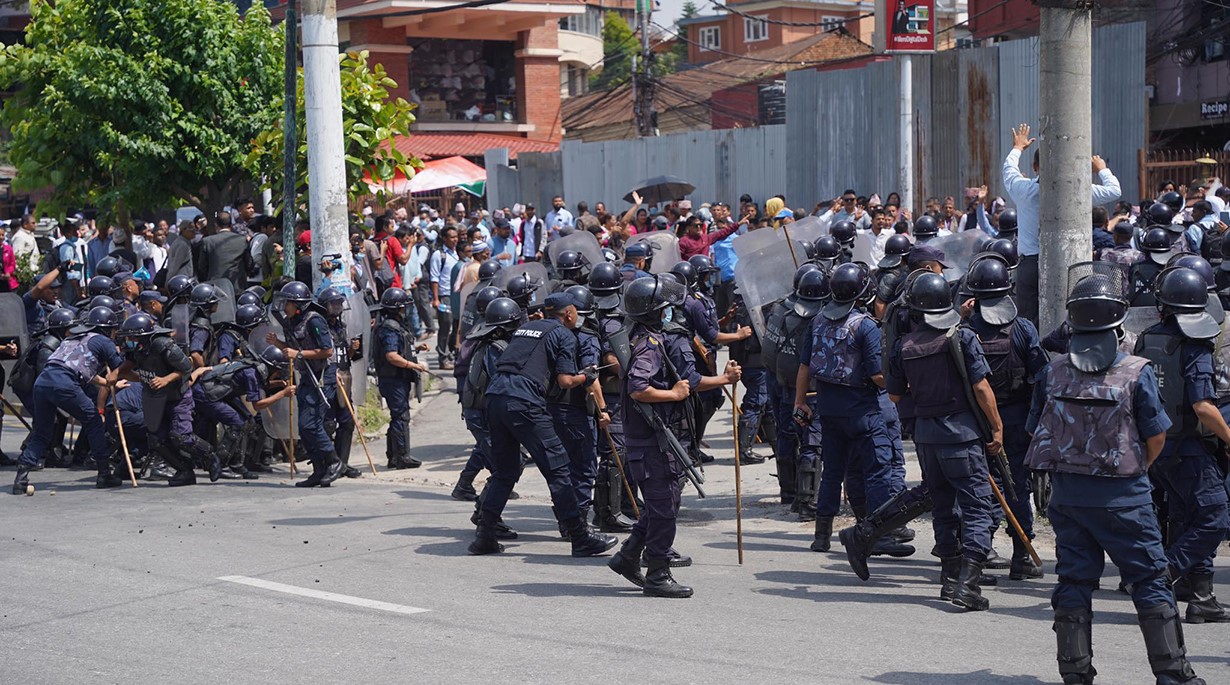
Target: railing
1180, 166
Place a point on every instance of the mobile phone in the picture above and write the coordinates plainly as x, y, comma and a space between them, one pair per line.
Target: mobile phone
1225, 217
800, 417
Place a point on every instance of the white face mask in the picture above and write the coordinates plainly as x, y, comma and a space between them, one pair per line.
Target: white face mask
668, 314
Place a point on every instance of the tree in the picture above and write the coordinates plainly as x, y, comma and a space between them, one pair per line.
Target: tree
140, 103
679, 50
619, 44
371, 121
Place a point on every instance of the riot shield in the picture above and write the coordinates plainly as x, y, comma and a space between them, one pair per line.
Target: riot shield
764, 277
180, 317
1141, 318
12, 328
664, 250
535, 271
807, 228
277, 418
582, 242
359, 326
959, 249
862, 248
226, 301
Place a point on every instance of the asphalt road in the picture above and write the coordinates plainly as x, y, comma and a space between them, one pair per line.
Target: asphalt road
206, 585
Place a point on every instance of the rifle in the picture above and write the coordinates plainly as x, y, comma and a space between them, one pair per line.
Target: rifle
998, 461
667, 441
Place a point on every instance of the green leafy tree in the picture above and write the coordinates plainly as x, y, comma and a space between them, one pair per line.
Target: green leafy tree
619, 44
140, 103
679, 50
371, 121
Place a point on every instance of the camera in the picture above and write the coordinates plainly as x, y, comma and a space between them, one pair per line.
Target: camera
331, 262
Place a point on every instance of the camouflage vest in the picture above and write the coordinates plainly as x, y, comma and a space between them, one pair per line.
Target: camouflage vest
1088, 423
835, 356
74, 354
1122, 254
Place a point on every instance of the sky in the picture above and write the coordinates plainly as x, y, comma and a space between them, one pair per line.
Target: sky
667, 11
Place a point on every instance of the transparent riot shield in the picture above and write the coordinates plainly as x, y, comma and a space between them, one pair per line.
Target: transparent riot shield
664, 250
359, 327
277, 418
536, 272
582, 242
179, 319
862, 249
764, 277
1141, 318
226, 301
12, 329
959, 249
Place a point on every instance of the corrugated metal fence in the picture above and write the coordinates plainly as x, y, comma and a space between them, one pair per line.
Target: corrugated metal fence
841, 132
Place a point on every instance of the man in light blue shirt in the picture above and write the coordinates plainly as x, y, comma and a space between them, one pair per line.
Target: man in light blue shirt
442, 262
1024, 192
503, 247
559, 219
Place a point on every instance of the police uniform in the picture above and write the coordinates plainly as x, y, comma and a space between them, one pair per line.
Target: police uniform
630, 273
339, 422
316, 396
1123, 254
756, 414
575, 424
395, 387
700, 313
231, 344
612, 512
1089, 432
1141, 277
797, 447
201, 338
480, 357
229, 412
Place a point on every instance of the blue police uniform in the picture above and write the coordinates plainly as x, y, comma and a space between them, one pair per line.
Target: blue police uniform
678, 343
576, 426
755, 412
201, 338
36, 311
700, 314
395, 387
612, 393
784, 332
631, 273
316, 396
339, 421
481, 357
230, 345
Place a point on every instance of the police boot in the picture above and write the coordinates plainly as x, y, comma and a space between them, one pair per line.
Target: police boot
660, 583
674, 558
824, 531
318, 474
502, 531
464, 490
626, 562
22, 481
994, 561
805, 496
587, 542
106, 478
1023, 566
343, 441
229, 448
950, 573
1203, 606
196, 448
1164, 643
968, 594
864, 538
485, 541
158, 469
182, 467
747, 436
608, 511
786, 481
333, 469
1074, 638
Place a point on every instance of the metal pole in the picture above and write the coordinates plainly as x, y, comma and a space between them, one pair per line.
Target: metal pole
1065, 140
326, 148
905, 170
290, 142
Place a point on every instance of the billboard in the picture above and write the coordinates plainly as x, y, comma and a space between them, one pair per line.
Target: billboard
905, 26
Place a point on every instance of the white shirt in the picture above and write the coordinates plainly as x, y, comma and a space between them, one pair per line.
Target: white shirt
877, 243
1025, 194
24, 243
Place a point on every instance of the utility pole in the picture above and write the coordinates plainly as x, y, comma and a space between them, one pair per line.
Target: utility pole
290, 141
646, 124
1065, 140
905, 170
326, 150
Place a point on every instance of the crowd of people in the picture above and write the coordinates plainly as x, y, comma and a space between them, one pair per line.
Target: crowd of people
596, 360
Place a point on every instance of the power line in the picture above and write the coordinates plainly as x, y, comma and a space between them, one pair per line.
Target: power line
747, 57
828, 24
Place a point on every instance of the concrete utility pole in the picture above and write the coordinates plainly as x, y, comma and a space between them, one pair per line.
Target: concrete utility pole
290, 140
643, 79
326, 149
905, 171
1065, 138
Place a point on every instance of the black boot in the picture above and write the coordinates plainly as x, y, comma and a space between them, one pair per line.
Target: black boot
824, 533
464, 490
1074, 638
502, 531
806, 474
968, 594
107, 479
158, 469
586, 542
1164, 643
333, 470
626, 562
608, 503
1023, 566
231, 449
22, 480
786, 480
318, 475
994, 561
950, 573
660, 583
1203, 607
485, 541
747, 436
888, 546
674, 558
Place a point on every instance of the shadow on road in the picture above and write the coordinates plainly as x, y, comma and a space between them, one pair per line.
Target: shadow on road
565, 590
975, 678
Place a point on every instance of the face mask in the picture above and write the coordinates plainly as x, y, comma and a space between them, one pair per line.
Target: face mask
668, 314
131, 345
576, 325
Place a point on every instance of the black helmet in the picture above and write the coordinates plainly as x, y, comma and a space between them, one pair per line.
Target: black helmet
100, 318
1006, 249
1156, 244
488, 270
570, 264
609, 255
247, 297
702, 264
988, 277
295, 291
1198, 264
803, 269
109, 266
502, 312
810, 293
101, 285
926, 227
179, 286
60, 319
930, 296
1097, 300
138, 325
275, 357
647, 297
520, 289
395, 298
1159, 214
848, 284
1007, 221
332, 301
895, 250
686, 273
827, 249
257, 290
809, 248
249, 315
204, 295
1182, 290
486, 296
1172, 200
582, 294
101, 301
844, 232
605, 278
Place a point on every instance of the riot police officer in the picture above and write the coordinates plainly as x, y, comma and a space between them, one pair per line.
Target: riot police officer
472, 310
845, 233
1181, 349
464, 490
1100, 500
396, 371
1007, 224
202, 343
896, 249
233, 338
945, 373
925, 229
339, 423
611, 512
517, 416
827, 253
755, 413
81, 360
1143, 274
308, 340
571, 266
635, 257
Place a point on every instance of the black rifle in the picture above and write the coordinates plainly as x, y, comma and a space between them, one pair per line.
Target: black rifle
667, 441
999, 460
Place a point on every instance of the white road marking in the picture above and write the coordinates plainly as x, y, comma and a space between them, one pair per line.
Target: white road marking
320, 594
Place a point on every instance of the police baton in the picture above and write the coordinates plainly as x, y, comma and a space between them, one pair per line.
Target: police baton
16, 413
738, 491
619, 463
1016, 525
358, 426
119, 423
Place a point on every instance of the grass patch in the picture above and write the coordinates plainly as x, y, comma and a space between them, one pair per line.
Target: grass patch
372, 416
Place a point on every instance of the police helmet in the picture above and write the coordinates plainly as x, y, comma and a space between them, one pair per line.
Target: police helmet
810, 293
848, 284
827, 249
502, 312
1182, 292
247, 297
332, 300
988, 277
605, 279
1159, 214
275, 357
570, 264
930, 297
803, 269
703, 265
520, 289
257, 290
1007, 221
809, 248
1006, 249
1198, 264
1097, 301
844, 232
926, 227
611, 256
100, 301
1172, 200
179, 286
204, 295
138, 325
582, 294
394, 298
101, 285
108, 266
647, 297
895, 250
60, 319
101, 319
295, 291
488, 270
686, 273
486, 296
1156, 244
249, 315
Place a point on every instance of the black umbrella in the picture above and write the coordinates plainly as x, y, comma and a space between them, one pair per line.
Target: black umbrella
661, 189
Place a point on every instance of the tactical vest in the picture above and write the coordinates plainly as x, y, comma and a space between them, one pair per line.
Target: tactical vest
161, 358
1088, 424
931, 370
303, 341
771, 341
893, 327
573, 397
74, 354
240, 343
221, 382
749, 352
526, 354
794, 327
1124, 254
475, 385
211, 341
1165, 351
1008, 371
405, 347
341, 343
27, 369
835, 356
1140, 280
469, 314
608, 378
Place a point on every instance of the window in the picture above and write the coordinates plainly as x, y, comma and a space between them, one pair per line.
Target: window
574, 80
589, 23
755, 29
711, 38
831, 23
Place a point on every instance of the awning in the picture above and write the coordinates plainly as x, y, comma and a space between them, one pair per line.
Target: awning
436, 174
437, 145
